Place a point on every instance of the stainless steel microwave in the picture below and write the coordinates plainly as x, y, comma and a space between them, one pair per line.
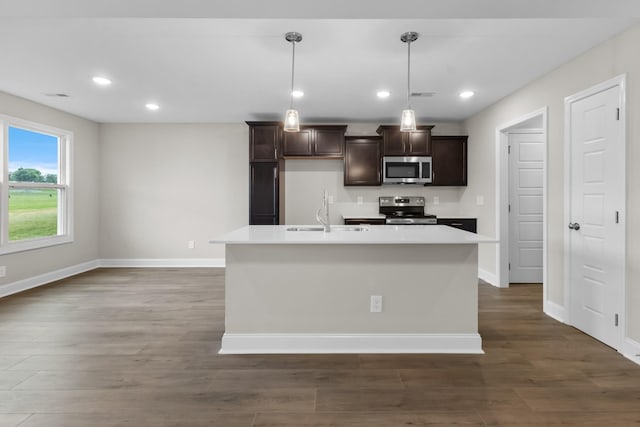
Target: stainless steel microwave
406, 170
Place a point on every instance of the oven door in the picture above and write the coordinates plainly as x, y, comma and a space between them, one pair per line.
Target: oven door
401, 170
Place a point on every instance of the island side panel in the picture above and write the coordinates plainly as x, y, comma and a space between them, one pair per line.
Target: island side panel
326, 289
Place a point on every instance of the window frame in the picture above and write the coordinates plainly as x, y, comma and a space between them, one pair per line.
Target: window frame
64, 186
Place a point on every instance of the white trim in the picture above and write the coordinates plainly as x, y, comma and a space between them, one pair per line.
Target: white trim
601, 87
43, 279
162, 262
488, 277
350, 343
631, 350
502, 196
555, 311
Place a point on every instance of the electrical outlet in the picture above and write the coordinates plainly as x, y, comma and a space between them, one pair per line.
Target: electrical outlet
360, 200
3, 270
191, 244
436, 200
376, 304
330, 200
480, 200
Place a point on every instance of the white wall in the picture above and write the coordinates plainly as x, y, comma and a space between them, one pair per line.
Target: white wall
611, 58
162, 185
84, 248
305, 181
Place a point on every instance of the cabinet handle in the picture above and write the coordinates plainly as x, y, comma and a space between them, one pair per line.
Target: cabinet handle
457, 223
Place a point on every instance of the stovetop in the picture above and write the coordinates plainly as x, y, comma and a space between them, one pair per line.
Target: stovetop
405, 210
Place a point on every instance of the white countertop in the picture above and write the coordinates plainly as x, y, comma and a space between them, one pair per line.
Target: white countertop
375, 235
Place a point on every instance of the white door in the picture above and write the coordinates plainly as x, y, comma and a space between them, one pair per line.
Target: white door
597, 200
526, 171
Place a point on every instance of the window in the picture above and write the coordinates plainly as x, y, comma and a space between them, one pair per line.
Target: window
35, 191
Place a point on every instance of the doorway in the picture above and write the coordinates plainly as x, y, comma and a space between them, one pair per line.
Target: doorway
522, 239
595, 192
526, 172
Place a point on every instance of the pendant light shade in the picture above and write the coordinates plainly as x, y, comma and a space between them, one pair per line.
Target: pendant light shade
408, 120
291, 119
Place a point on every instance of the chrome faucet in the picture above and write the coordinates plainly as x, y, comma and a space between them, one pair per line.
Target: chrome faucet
322, 215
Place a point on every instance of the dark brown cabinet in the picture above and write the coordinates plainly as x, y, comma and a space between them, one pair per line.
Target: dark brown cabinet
264, 138
449, 158
364, 221
314, 141
362, 161
264, 172
467, 224
264, 193
396, 143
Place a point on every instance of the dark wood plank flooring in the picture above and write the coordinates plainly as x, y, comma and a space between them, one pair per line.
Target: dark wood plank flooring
138, 347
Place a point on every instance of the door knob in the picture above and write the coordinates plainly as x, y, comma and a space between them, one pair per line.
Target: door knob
574, 226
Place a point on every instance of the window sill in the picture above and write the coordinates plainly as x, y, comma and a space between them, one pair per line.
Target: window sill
40, 243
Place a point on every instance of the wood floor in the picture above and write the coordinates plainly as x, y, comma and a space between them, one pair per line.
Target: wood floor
138, 347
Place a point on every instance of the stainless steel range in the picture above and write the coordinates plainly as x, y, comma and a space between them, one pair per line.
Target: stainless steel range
405, 210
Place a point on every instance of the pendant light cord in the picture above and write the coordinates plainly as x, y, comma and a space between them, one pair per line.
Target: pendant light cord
293, 65
409, 74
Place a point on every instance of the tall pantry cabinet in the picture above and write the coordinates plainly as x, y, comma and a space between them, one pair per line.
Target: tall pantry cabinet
266, 183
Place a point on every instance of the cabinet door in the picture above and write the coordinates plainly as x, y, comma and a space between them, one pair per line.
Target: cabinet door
297, 143
362, 161
419, 143
328, 142
263, 199
449, 157
394, 142
263, 143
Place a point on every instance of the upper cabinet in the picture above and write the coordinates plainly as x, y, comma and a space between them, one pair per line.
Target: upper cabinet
264, 139
321, 141
396, 143
362, 165
449, 157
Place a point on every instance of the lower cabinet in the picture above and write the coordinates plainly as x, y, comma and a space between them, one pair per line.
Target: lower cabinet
364, 221
263, 197
467, 224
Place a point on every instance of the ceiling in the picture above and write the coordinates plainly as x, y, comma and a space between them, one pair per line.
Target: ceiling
212, 61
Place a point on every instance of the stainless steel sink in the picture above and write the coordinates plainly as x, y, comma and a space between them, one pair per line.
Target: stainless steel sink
333, 228
305, 229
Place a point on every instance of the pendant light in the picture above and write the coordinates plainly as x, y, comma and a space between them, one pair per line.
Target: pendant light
291, 119
408, 120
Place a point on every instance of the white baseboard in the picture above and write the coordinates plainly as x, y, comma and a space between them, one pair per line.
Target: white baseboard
350, 343
631, 350
555, 311
163, 263
43, 279
490, 278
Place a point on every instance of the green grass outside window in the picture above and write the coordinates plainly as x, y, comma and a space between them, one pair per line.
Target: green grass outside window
32, 213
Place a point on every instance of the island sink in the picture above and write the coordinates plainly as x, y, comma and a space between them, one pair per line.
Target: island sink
333, 228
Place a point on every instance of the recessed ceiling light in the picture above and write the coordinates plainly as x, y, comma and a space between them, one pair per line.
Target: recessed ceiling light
467, 94
297, 94
383, 94
102, 81
152, 107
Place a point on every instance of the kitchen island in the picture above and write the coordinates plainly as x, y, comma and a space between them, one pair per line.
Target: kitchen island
293, 290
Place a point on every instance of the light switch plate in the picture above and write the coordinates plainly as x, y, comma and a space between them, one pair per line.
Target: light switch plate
436, 200
480, 200
360, 200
